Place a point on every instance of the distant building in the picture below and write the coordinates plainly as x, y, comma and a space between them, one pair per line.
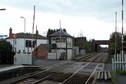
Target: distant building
25, 42
61, 44
78, 39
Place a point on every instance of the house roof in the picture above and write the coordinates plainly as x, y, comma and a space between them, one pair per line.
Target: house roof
60, 32
29, 36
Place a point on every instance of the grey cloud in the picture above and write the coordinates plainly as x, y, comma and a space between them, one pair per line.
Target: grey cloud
102, 9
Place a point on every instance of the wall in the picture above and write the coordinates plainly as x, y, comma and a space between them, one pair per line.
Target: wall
76, 50
58, 52
69, 54
52, 56
22, 59
41, 52
61, 51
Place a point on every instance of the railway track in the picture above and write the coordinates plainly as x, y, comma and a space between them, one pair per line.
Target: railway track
99, 58
53, 74
93, 57
83, 75
39, 76
83, 58
75, 78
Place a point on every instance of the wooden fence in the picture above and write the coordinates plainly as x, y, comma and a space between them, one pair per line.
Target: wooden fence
119, 62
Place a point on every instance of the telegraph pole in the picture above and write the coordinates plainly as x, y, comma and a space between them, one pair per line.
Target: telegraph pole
60, 32
33, 29
115, 32
122, 27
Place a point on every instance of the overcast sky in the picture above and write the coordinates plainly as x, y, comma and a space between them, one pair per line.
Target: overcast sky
95, 19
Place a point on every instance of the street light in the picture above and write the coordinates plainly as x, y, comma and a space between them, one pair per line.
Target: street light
24, 30
24, 23
2, 9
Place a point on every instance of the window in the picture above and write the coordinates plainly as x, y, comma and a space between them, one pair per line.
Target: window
53, 40
58, 39
34, 43
64, 39
29, 43
69, 44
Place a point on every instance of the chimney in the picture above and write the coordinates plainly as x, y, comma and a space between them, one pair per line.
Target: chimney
37, 32
10, 32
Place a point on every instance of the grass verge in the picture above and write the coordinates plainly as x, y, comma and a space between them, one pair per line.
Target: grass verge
113, 77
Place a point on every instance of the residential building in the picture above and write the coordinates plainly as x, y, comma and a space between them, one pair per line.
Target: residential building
25, 42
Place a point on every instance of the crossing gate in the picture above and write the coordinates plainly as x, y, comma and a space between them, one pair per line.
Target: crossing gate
119, 62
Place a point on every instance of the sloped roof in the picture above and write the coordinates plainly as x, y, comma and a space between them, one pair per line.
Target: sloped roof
45, 45
60, 32
29, 36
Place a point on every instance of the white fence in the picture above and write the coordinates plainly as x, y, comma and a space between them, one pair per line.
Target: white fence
119, 62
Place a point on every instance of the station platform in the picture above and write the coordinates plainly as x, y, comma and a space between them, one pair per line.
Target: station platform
12, 71
4, 68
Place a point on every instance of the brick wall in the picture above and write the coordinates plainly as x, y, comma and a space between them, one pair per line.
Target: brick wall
41, 52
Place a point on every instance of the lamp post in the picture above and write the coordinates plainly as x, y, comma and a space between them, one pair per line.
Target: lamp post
24, 23
24, 30
2, 9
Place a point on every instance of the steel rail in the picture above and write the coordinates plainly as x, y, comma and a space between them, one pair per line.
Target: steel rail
30, 76
99, 58
92, 74
75, 73
38, 81
82, 58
